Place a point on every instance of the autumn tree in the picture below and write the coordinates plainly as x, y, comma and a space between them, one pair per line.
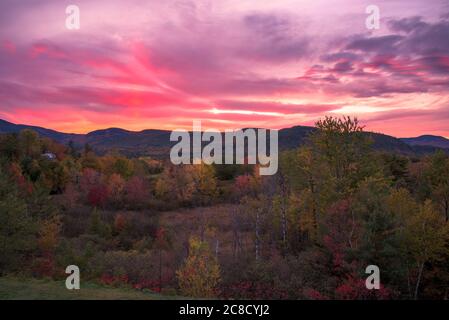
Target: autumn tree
117, 164
48, 238
247, 185
314, 190
124, 167
116, 188
90, 160
161, 243
89, 178
327, 169
29, 143
187, 184
424, 240
98, 226
437, 174
342, 145
70, 197
48, 234
98, 195
205, 183
9, 147
200, 274
136, 192
175, 183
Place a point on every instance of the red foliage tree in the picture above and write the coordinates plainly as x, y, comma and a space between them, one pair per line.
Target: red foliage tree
136, 191
89, 178
97, 195
354, 288
25, 187
119, 223
246, 185
343, 233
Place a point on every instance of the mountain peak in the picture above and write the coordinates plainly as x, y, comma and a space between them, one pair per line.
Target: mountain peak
428, 140
108, 131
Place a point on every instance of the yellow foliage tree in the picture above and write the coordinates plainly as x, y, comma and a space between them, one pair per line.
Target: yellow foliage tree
187, 183
200, 274
204, 179
425, 238
48, 234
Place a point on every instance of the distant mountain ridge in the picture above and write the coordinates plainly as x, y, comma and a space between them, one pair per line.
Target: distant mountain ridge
156, 143
428, 140
8, 127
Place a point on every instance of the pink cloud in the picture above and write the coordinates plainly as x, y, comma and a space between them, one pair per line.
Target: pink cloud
270, 66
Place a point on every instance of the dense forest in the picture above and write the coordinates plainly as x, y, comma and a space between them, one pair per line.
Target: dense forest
335, 206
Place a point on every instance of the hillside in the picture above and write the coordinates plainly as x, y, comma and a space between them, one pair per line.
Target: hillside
428, 140
8, 127
156, 143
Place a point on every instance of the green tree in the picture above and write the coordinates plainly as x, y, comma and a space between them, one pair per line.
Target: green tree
29, 143
424, 240
438, 177
328, 169
379, 243
17, 227
342, 145
123, 167
98, 226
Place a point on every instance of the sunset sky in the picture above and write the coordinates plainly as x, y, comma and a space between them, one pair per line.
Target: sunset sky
231, 63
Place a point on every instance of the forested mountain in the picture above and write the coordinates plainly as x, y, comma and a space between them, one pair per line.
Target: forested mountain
428, 140
157, 143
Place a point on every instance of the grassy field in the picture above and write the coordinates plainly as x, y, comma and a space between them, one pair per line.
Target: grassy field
32, 289
188, 222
